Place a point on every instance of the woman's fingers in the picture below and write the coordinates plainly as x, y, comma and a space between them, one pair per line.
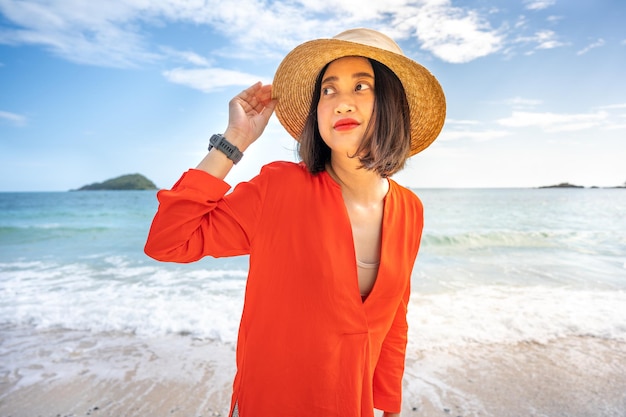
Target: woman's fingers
256, 97
250, 111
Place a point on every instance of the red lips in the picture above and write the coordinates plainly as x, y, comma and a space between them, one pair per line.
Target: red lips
345, 124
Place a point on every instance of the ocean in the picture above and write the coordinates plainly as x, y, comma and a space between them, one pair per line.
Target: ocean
497, 267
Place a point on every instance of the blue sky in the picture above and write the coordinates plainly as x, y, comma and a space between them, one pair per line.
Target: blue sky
89, 90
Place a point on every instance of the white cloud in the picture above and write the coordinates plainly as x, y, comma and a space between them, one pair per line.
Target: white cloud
613, 106
189, 57
616, 116
14, 118
210, 79
458, 129
95, 33
600, 42
461, 122
555, 122
616, 127
114, 33
475, 135
540, 39
539, 4
521, 103
546, 39
452, 34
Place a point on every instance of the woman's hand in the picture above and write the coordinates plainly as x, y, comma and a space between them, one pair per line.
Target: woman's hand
248, 114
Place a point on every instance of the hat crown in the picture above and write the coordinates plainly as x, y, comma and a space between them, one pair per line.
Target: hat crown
370, 38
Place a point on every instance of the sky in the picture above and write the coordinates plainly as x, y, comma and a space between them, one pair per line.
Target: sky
90, 90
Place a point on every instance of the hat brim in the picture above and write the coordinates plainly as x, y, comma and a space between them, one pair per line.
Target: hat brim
296, 75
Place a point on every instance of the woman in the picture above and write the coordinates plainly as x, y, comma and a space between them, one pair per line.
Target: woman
332, 240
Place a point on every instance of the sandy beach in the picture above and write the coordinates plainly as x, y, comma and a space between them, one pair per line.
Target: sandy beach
570, 377
75, 373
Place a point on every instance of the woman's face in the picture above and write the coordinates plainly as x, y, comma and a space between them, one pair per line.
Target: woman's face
346, 103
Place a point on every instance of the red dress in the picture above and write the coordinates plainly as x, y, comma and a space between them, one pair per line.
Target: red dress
307, 346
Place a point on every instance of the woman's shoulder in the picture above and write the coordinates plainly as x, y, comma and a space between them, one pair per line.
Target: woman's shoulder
280, 176
284, 167
405, 195
286, 172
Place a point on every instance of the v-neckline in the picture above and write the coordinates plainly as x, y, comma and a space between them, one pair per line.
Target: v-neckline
383, 235
382, 261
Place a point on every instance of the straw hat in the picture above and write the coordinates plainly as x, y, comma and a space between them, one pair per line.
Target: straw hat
296, 75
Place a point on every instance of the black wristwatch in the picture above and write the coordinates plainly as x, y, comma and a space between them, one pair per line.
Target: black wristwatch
231, 151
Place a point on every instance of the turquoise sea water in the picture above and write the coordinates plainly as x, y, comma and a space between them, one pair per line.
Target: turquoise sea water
495, 266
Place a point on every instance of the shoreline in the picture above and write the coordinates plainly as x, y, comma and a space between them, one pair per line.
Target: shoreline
52, 373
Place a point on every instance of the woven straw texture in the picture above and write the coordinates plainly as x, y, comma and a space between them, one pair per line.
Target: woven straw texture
295, 78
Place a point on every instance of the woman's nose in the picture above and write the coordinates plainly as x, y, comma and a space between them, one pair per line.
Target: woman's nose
344, 107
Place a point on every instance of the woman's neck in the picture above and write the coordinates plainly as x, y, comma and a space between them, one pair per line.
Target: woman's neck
358, 184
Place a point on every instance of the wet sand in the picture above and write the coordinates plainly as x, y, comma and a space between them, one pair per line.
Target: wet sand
73, 373
570, 377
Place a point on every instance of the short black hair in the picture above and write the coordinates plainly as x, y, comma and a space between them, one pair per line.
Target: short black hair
387, 142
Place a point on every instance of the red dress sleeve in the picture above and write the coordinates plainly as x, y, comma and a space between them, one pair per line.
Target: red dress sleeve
196, 218
387, 383
408, 222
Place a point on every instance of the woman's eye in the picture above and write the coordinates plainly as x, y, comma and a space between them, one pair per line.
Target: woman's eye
327, 90
362, 86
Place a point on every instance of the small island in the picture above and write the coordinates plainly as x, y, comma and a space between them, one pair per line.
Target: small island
124, 182
568, 185
562, 185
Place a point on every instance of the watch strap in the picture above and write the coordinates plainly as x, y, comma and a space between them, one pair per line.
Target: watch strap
219, 142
